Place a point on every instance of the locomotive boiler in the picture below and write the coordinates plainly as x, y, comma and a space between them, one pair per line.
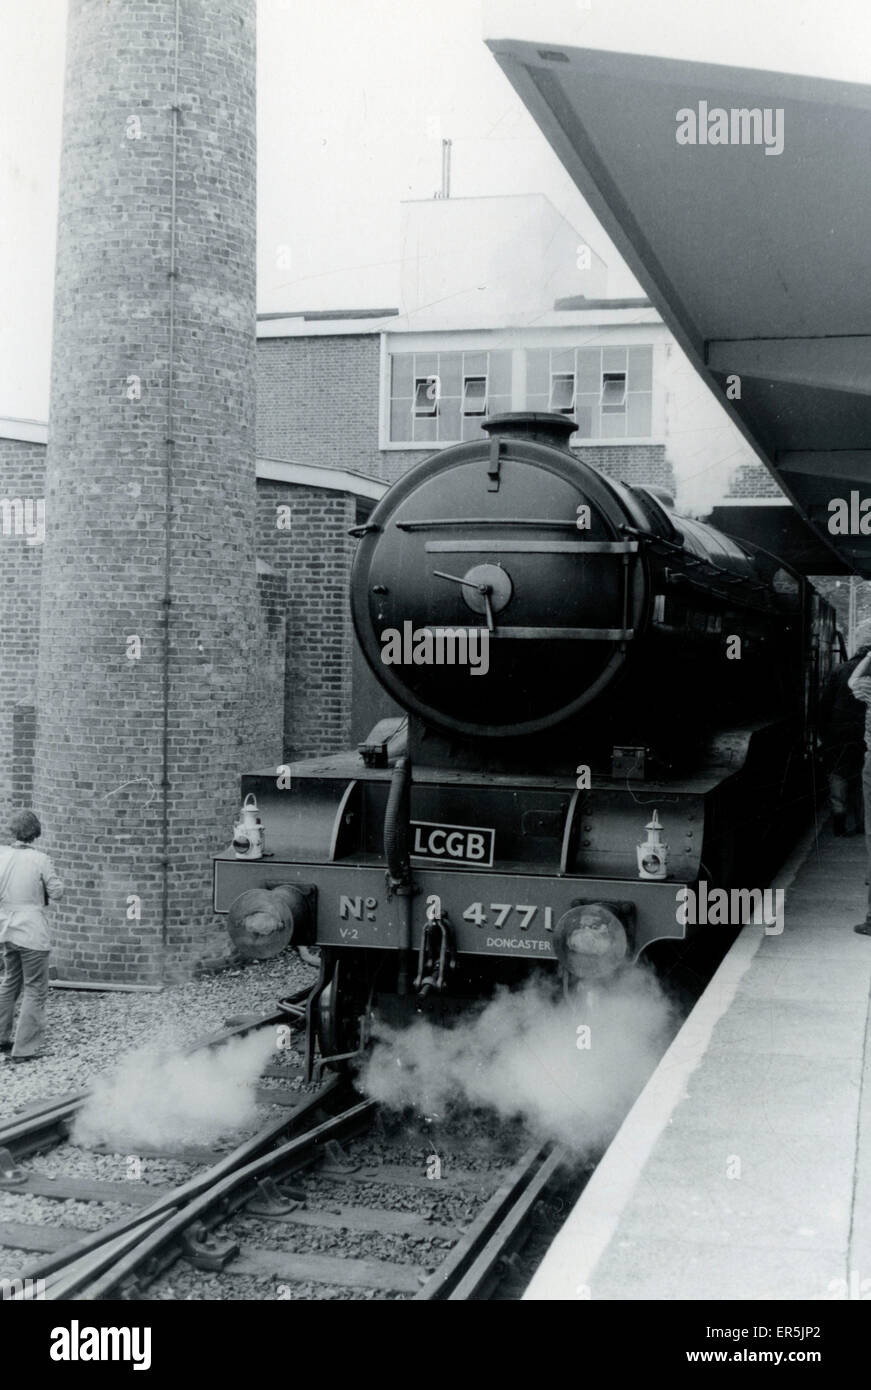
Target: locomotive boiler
602, 704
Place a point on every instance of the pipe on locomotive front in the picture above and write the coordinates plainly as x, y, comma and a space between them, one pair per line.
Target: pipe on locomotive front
396, 839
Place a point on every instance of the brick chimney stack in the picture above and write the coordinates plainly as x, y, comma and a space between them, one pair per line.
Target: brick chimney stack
148, 564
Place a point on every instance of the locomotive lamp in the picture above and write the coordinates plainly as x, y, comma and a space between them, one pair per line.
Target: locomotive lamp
591, 942
653, 853
248, 831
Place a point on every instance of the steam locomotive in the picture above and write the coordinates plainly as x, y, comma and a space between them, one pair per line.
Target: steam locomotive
604, 703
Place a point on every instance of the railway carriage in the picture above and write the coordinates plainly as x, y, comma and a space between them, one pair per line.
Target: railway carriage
600, 703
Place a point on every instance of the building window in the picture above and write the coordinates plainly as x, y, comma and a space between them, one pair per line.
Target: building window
608, 390
613, 391
444, 397
562, 392
475, 395
426, 395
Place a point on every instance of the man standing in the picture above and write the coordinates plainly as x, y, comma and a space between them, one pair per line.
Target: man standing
27, 882
860, 684
842, 724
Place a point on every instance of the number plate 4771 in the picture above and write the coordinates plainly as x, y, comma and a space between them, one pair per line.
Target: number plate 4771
508, 915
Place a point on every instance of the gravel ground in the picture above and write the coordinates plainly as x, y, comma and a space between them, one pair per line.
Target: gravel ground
71, 1161
89, 1033
444, 1208
47, 1211
181, 1283
12, 1259
453, 1157
348, 1244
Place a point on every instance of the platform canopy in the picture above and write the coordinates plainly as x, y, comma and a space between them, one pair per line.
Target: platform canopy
759, 260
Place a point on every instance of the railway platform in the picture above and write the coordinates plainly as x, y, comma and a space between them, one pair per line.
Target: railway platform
743, 1171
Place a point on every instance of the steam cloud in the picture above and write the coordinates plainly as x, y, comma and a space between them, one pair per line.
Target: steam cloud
524, 1056
166, 1102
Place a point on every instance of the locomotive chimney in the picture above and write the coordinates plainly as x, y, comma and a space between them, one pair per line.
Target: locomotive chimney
538, 426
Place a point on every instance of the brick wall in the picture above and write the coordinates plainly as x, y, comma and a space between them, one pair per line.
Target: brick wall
631, 463
23, 747
263, 733
753, 480
99, 737
318, 401
22, 478
315, 554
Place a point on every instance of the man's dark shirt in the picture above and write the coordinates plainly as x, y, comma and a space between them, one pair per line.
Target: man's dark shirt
842, 720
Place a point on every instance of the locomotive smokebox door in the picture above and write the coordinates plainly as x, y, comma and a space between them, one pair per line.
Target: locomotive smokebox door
534, 588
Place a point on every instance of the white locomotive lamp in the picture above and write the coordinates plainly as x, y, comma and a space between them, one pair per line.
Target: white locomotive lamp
248, 831
653, 853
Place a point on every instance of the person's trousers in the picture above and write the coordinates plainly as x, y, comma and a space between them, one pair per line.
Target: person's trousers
26, 976
866, 788
845, 799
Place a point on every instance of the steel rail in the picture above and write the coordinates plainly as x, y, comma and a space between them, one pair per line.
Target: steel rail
113, 1264
27, 1294
63, 1260
102, 1275
40, 1130
473, 1262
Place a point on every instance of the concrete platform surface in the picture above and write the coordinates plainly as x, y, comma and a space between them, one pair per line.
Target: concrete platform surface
743, 1171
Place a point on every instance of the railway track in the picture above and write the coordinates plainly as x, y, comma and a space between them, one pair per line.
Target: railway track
289, 1213
37, 1154
265, 1224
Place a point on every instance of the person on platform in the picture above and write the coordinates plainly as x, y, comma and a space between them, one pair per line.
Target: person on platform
860, 684
27, 882
842, 740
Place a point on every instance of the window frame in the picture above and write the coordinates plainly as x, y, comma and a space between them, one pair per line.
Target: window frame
620, 407
423, 412
563, 376
474, 414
